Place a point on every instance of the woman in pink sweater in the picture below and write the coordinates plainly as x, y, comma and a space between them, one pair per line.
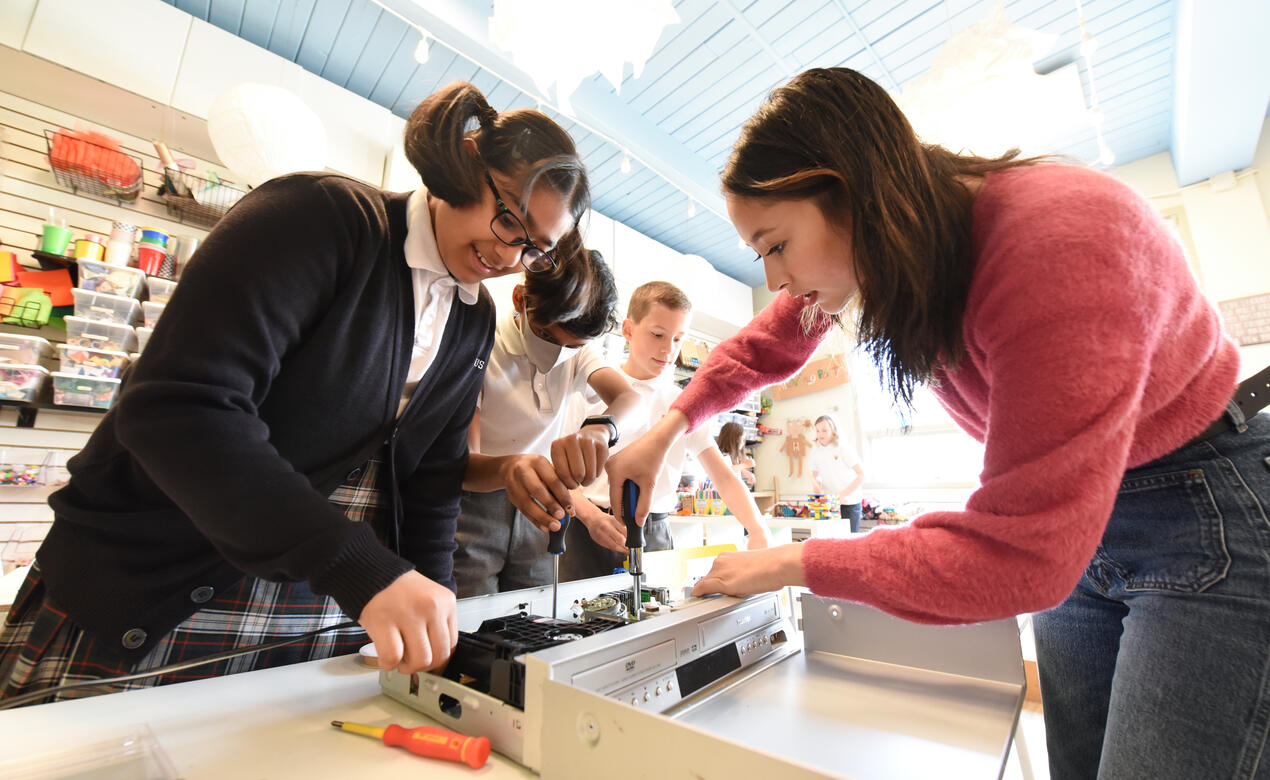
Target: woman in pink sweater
1122, 497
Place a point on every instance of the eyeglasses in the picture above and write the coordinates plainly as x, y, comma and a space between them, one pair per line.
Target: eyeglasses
508, 228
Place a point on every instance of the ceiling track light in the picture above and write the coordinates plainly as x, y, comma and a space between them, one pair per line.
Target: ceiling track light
421, 49
625, 165
692, 209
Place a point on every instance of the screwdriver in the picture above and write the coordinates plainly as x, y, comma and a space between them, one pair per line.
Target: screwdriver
427, 741
634, 541
555, 546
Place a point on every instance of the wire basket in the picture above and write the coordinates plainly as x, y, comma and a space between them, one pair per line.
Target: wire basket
90, 168
27, 314
192, 198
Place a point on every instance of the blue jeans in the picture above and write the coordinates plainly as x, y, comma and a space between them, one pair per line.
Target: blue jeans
1158, 664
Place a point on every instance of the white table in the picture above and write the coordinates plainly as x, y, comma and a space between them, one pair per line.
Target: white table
272, 723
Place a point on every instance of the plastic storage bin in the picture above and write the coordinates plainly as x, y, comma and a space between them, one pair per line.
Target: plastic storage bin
103, 307
90, 391
100, 335
110, 279
21, 383
87, 361
160, 290
152, 311
23, 349
143, 336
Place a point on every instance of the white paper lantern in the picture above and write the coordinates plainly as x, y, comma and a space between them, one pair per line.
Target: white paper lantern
260, 132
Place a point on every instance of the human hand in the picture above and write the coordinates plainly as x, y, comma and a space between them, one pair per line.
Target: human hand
641, 462
535, 489
758, 540
579, 457
604, 528
761, 571
413, 623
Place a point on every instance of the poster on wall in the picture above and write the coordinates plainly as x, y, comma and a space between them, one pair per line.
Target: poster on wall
817, 375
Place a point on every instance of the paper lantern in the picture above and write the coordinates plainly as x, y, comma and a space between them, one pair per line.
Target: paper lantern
260, 132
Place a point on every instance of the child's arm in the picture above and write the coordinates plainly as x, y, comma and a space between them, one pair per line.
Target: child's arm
530, 480
579, 457
735, 495
604, 528
855, 483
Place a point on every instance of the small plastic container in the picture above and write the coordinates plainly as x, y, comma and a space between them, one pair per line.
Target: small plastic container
21, 382
110, 279
87, 361
143, 336
90, 391
160, 289
101, 307
152, 311
15, 348
100, 335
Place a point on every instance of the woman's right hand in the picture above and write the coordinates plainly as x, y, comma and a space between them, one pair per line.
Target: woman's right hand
641, 462
535, 489
413, 623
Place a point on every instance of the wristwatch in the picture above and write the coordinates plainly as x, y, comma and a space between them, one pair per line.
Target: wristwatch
604, 419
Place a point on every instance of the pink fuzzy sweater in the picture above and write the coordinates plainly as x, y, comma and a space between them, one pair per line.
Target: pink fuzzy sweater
1089, 350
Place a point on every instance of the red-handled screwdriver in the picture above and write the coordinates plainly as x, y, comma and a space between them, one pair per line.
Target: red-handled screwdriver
427, 741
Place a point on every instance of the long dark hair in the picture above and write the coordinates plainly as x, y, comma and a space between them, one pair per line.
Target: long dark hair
579, 294
834, 136
525, 145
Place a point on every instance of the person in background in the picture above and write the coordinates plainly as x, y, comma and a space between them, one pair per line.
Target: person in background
657, 318
525, 456
1124, 490
731, 442
836, 470
288, 450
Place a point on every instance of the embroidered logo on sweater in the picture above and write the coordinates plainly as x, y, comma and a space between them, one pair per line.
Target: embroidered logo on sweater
478, 363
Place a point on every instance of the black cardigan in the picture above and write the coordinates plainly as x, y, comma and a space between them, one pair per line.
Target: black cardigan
274, 372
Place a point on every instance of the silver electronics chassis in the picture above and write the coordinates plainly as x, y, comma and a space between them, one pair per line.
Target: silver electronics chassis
728, 687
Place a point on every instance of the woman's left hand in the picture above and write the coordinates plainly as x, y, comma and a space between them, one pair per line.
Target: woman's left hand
579, 457
759, 571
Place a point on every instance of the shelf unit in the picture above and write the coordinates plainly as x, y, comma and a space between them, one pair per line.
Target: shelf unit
27, 410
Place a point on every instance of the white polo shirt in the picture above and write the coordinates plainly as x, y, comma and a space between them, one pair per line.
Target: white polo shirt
834, 466
523, 410
434, 290
658, 394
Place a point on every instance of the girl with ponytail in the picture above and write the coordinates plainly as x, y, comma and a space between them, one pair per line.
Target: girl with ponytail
288, 452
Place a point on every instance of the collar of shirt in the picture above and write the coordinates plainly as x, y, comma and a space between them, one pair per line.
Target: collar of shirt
421, 246
509, 335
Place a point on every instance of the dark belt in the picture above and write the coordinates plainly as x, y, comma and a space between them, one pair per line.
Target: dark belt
652, 516
1251, 396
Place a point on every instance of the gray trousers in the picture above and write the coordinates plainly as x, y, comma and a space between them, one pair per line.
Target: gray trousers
499, 548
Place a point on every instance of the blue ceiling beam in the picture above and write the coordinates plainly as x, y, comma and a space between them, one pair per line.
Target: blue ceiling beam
1222, 87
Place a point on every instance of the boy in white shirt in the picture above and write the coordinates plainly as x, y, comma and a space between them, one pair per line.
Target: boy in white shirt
656, 320
525, 453
836, 469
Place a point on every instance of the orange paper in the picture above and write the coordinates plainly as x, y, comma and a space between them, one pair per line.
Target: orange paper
56, 284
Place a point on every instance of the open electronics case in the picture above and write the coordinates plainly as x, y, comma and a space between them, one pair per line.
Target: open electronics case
785, 684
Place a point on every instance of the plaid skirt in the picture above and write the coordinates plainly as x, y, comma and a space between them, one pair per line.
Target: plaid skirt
40, 647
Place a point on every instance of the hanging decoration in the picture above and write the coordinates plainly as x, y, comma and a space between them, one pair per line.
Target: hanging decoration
983, 95
797, 445
260, 132
819, 374
602, 36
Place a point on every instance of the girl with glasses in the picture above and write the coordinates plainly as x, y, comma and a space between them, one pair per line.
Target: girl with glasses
525, 458
289, 449
1124, 492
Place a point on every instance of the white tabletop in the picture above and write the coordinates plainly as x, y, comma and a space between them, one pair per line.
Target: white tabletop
273, 723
